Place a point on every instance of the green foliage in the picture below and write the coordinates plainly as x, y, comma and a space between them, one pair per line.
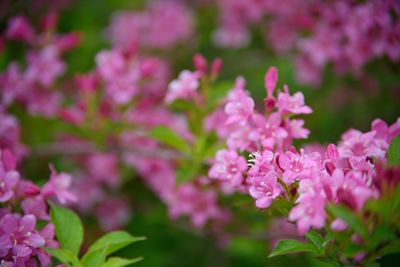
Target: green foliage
120, 262
68, 226
69, 233
393, 153
288, 246
114, 241
170, 138
65, 256
351, 219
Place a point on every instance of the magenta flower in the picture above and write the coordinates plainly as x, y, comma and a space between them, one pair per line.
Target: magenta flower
357, 144
18, 28
8, 176
262, 179
309, 211
240, 105
185, 87
298, 166
288, 104
44, 66
199, 205
268, 130
228, 166
264, 189
19, 237
59, 187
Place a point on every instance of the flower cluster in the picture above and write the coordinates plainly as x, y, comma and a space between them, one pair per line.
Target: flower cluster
162, 24
33, 85
312, 177
320, 32
245, 129
22, 243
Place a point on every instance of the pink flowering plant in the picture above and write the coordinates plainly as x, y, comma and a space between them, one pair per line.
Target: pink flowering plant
121, 129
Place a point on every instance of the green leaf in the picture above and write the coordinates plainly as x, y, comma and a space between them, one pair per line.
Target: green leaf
68, 227
94, 258
120, 262
114, 241
351, 219
292, 246
315, 238
64, 256
393, 153
168, 137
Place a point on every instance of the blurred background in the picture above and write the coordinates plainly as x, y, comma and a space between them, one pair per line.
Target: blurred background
344, 94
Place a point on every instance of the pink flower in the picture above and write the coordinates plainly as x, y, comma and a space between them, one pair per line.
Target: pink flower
44, 66
264, 189
18, 28
268, 130
262, 179
310, 208
103, 167
185, 87
357, 144
240, 105
20, 239
228, 166
113, 213
199, 205
36, 205
110, 64
288, 104
59, 187
162, 24
298, 166
8, 176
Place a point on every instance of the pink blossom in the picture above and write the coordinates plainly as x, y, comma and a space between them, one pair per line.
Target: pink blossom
298, 166
264, 189
59, 187
292, 104
20, 239
309, 211
44, 66
240, 105
103, 167
162, 24
185, 87
18, 28
8, 176
113, 213
199, 205
262, 179
357, 144
228, 166
36, 205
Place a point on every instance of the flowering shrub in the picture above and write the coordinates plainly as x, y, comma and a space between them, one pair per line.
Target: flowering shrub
141, 136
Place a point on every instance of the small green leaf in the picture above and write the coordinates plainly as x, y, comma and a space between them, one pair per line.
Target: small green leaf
65, 256
114, 241
393, 153
292, 246
315, 238
94, 258
120, 262
168, 137
351, 219
68, 227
